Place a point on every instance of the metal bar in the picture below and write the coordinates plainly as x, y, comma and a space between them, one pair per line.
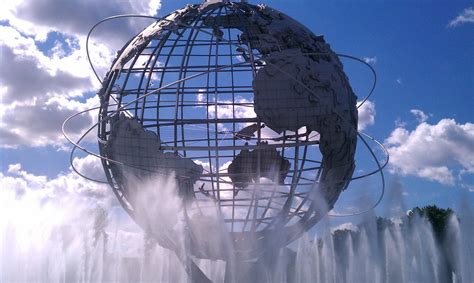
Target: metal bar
184, 62
216, 113
207, 113
230, 147
161, 81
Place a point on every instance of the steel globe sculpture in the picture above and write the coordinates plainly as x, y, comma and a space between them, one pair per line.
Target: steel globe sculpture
247, 111
237, 101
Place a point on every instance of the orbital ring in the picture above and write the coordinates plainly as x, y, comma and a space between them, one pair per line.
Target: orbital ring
360, 134
380, 170
101, 22
76, 145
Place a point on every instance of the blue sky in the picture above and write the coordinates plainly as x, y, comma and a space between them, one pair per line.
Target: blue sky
423, 53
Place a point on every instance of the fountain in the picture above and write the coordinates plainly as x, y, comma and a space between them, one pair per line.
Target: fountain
86, 244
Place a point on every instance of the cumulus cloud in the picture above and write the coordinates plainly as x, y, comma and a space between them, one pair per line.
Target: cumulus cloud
39, 92
433, 152
366, 115
370, 60
242, 109
45, 76
38, 18
90, 166
39, 123
26, 79
226, 109
62, 187
420, 115
466, 16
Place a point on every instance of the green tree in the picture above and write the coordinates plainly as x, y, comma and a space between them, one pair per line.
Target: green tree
438, 217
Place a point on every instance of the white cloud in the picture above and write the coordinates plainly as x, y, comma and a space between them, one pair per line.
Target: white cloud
466, 16
226, 109
40, 87
433, 152
64, 186
366, 115
39, 123
38, 18
90, 166
39, 92
420, 115
241, 108
440, 174
27, 78
399, 81
370, 60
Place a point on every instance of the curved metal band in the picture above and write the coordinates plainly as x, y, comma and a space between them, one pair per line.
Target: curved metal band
101, 22
379, 170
